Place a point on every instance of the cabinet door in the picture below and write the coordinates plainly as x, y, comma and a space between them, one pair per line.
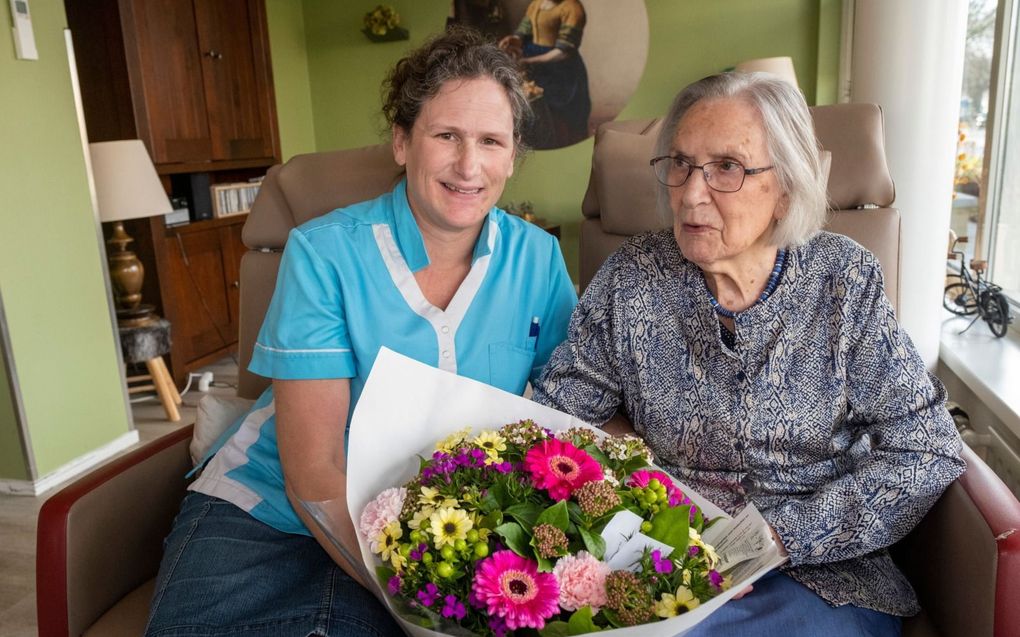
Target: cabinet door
237, 77
166, 79
203, 319
233, 250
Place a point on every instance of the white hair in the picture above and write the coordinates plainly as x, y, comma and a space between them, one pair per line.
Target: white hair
793, 149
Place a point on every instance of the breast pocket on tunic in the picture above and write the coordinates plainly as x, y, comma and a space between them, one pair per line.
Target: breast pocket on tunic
510, 366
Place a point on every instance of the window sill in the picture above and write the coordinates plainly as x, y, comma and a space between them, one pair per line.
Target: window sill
989, 366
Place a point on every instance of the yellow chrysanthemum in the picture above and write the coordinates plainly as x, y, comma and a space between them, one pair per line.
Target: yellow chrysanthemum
449, 525
673, 605
433, 499
710, 555
491, 443
421, 515
387, 540
448, 444
397, 560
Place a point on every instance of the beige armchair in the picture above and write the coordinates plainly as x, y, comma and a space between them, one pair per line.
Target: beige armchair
620, 200
100, 538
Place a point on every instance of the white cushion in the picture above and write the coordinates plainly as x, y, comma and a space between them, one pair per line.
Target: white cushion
215, 414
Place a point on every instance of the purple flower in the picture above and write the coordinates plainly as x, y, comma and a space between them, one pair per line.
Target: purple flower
474, 600
428, 596
453, 607
503, 467
715, 579
498, 626
418, 551
478, 456
662, 564
693, 550
393, 585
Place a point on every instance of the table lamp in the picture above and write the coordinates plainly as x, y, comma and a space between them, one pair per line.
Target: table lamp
781, 67
127, 187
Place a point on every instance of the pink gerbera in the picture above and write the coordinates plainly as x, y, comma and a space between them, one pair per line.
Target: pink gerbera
560, 468
511, 587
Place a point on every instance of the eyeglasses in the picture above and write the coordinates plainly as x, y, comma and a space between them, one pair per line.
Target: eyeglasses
722, 176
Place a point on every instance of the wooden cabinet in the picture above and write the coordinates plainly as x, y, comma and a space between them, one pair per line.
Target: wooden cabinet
192, 275
190, 78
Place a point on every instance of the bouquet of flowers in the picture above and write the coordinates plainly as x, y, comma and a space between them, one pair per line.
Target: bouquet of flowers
520, 528
545, 525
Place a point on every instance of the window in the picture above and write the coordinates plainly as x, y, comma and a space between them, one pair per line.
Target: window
995, 230
966, 216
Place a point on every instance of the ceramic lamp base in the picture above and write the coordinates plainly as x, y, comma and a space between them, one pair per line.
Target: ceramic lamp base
136, 316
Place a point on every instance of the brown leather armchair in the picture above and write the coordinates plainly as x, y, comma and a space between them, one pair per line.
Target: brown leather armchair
100, 538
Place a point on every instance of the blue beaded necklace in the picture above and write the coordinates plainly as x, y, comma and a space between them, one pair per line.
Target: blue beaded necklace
770, 287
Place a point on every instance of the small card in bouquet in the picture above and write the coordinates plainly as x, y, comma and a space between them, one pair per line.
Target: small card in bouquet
481, 513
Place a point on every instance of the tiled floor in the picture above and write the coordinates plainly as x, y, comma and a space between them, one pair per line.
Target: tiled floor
18, 513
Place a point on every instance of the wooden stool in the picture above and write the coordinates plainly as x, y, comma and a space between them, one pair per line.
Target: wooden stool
147, 344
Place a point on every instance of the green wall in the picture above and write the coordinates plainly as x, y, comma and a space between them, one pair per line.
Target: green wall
290, 77
51, 274
13, 463
688, 40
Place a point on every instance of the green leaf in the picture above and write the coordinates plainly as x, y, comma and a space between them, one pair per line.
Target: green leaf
555, 629
524, 512
670, 526
576, 515
614, 621
555, 515
699, 521
515, 537
492, 520
633, 464
581, 622
545, 565
598, 455
383, 574
593, 542
498, 492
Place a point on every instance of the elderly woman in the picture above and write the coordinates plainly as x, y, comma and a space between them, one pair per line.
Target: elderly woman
761, 361
431, 269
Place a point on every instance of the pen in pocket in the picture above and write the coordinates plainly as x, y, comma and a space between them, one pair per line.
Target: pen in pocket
533, 333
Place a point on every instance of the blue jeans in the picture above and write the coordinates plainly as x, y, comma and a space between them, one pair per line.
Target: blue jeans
779, 606
224, 572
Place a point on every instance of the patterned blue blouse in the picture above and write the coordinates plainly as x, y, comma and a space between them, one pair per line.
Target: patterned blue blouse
824, 416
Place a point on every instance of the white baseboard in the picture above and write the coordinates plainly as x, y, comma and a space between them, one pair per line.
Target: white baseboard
72, 469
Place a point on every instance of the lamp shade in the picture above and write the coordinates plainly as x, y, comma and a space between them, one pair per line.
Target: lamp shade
127, 186
781, 67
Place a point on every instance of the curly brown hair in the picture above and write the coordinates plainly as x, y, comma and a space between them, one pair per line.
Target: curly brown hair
460, 53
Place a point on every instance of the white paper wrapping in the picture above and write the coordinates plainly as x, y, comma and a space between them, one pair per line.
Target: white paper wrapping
407, 407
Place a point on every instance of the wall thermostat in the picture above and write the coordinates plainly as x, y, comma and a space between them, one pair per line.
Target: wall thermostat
24, 39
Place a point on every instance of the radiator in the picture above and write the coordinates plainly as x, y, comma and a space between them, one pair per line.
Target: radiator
999, 455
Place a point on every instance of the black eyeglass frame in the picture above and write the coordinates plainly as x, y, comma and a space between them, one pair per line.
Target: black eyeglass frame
708, 182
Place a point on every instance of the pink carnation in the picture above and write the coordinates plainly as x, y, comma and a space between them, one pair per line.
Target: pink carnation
560, 468
582, 580
384, 509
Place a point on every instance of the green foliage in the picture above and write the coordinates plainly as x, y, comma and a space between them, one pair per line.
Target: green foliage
556, 515
515, 537
593, 543
671, 526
